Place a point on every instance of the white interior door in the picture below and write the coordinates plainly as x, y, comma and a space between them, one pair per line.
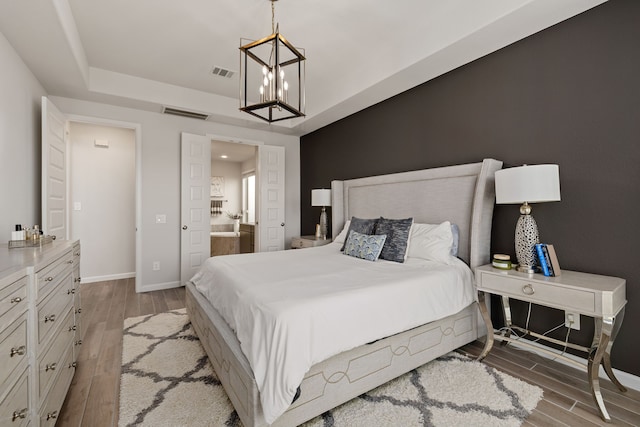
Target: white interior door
271, 198
54, 171
195, 211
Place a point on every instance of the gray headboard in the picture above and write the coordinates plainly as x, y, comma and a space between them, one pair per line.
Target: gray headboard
462, 194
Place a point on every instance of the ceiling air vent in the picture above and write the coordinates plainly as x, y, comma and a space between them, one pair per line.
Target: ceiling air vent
184, 113
222, 72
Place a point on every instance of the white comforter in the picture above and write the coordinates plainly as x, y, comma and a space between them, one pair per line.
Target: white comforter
293, 309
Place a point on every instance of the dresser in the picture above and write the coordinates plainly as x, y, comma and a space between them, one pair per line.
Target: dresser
41, 321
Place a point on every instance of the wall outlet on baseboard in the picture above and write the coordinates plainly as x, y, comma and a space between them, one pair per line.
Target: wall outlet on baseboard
572, 320
156, 265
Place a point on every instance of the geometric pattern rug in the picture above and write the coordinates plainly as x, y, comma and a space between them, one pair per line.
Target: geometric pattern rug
167, 380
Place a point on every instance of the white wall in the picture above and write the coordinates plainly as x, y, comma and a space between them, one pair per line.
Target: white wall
160, 190
232, 173
20, 153
103, 183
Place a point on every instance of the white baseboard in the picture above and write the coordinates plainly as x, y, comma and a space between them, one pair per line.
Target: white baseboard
159, 286
627, 380
95, 279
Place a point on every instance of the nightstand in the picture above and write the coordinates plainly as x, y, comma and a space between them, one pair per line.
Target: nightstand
308, 242
600, 297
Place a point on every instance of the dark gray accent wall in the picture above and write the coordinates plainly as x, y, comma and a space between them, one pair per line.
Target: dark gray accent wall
568, 95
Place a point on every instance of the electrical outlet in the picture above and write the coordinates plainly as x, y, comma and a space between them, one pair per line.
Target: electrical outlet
156, 265
572, 320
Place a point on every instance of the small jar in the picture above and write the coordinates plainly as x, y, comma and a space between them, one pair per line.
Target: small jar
501, 261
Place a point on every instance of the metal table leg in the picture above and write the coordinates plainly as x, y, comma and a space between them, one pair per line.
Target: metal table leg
482, 305
506, 310
606, 330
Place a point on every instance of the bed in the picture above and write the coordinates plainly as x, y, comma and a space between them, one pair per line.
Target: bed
461, 194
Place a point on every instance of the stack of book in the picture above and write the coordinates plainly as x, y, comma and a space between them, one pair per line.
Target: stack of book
548, 259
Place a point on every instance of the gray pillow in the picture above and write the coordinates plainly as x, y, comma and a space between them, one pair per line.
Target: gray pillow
397, 232
362, 226
364, 246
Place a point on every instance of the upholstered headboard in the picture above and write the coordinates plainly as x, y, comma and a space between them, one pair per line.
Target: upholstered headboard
462, 194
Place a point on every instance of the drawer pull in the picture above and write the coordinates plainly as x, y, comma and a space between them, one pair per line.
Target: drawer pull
51, 367
79, 342
48, 279
50, 318
72, 328
71, 291
70, 261
73, 365
528, 289
77, 279
77, 254
16, 300
22, 413
20, 351
52, 415
79, 310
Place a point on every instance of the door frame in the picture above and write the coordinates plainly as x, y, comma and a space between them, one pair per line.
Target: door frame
137, 128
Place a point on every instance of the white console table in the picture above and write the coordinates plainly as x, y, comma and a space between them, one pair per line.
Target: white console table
600, 297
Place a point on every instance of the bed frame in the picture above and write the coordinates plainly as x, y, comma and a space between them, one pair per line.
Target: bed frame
462, 194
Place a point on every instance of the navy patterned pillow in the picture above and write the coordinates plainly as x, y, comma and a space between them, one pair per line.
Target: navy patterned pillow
362, 226
397, 232
364, 246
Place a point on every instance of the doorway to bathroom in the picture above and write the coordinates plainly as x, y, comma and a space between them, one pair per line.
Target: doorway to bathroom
233, 197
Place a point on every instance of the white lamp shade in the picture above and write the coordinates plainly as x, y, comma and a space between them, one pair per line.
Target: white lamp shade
321, 197
532, 183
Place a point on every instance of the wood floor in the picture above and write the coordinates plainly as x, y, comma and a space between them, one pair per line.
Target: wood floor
93, 396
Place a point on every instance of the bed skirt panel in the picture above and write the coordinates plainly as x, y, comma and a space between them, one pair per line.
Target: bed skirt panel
335, 380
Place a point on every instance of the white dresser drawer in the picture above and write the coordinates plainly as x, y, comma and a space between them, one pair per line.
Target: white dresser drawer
13, 300
50, 276
551, 295
13, 345
14, 409
50, 409
50, 312
50, 363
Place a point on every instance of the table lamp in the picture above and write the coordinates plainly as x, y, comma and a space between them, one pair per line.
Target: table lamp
527, 184
322, 197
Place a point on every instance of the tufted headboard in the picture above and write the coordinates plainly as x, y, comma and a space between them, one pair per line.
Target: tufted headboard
462, 194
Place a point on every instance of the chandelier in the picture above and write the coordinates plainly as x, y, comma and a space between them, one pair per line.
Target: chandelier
272, 76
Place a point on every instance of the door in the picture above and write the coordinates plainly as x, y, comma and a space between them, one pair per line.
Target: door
271, 202
54, 171
195, 211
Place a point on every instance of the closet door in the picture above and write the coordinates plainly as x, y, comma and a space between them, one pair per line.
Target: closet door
195, 240
55, 133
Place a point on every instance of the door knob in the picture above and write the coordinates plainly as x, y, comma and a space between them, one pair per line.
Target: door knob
282, 224
184, 227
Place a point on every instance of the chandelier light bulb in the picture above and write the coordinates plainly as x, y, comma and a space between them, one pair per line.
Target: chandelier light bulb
264, 70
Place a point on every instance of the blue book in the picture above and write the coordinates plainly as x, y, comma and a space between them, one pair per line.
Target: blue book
542, 259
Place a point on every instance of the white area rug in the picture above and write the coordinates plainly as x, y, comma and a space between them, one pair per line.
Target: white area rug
167, 380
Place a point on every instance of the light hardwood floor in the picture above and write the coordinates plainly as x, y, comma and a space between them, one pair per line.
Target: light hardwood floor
93, 396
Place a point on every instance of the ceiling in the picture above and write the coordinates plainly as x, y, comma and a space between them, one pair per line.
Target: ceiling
233, 151
148, 54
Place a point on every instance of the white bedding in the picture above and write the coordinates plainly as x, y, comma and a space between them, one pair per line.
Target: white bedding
293, 309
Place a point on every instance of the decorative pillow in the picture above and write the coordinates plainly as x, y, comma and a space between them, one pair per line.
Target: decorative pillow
397, 232
340, 238
364, 246
455, 231
363, 226
431, 242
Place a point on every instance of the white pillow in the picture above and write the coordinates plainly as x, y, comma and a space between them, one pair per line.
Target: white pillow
432, 242
343, 234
